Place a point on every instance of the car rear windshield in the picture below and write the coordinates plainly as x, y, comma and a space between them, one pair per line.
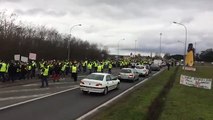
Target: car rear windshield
95, 77
125, 71
139, 67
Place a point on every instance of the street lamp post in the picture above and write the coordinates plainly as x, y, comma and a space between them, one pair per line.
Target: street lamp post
135, 47
160, 43
118, 45
185, 40
68, 53
182, 43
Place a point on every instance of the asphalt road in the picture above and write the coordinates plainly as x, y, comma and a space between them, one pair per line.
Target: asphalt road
65, 106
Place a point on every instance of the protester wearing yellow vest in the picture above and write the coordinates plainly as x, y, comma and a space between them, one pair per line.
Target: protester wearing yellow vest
3, 69
74, 72
45, 73
89, 67
99, 68
29, 71
110, 68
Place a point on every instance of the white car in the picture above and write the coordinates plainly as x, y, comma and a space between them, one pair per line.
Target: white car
99, 83
142, 70
128, 74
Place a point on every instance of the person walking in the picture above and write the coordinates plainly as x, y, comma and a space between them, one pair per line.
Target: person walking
74, 72
110, 68
3, 68
168, 65
44, 76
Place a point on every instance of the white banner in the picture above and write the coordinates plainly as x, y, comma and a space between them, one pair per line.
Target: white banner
196, 82
17, 57
24, 59
32, 56
189, 68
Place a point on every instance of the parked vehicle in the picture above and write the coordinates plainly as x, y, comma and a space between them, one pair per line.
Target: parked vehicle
155, 67
158, 62
128, 74
133, 65
99, 83
142, 70
148, 67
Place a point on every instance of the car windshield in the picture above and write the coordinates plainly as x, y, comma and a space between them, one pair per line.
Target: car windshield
125, 71
95, 77
139, 67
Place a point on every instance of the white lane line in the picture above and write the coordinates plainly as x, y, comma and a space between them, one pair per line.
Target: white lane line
23, 97
24, 90
36, 89
31, 100
56, 83
113, 99
35, 84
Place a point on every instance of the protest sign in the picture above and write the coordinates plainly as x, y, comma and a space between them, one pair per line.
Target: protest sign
32, 56
196, 82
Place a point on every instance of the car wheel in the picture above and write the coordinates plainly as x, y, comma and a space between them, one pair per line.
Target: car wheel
84, 92
133, 80
118, 86
105, 91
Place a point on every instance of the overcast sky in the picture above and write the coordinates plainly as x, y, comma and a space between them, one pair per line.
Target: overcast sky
139, 22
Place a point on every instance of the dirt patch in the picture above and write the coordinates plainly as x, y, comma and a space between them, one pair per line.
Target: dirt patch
157, 105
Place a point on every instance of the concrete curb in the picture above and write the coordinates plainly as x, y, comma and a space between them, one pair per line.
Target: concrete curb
126, 92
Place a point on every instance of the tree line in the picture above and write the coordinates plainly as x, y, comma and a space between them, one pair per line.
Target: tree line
17, 38
206, 56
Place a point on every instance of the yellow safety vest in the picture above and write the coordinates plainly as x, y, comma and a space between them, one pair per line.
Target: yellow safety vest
110, 65
74, 69
46, 71
29, 67
89, 66
64, 67
3, 67
99, 68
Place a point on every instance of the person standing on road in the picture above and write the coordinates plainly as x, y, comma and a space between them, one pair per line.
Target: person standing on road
74, 72
12, 71
99, 68
168, 65
110, 68
44, 75
89, 67
3, 68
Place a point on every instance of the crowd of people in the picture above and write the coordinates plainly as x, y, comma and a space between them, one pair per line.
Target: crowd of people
54, 69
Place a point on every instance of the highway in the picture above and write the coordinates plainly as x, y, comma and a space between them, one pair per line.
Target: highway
64, 106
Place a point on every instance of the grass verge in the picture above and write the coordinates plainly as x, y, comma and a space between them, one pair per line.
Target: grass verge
135, 106
189, 103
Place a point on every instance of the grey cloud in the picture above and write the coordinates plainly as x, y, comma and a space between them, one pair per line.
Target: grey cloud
10, 0
163, 4
137, 19
37, 11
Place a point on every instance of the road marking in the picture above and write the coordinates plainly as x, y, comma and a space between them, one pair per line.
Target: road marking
116, 97
28, 85
54, 83
23, 90
23, 97
31, 100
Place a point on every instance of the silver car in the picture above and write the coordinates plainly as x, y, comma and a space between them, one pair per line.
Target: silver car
128, 74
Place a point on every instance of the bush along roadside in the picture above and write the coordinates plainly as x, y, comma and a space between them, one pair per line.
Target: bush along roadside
157, 105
